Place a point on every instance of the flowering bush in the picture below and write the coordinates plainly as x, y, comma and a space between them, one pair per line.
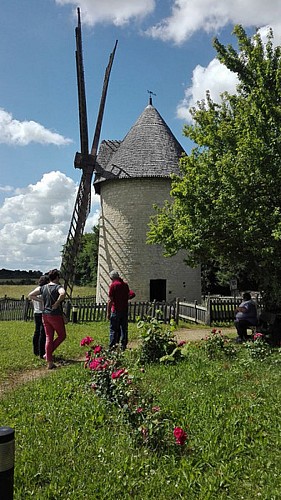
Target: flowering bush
217, 345
259, 348
112, 382
214, 344
156, 341
150, 426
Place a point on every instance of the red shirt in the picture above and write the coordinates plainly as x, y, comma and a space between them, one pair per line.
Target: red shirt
119, 295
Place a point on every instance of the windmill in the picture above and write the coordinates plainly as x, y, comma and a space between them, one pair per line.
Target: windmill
86, 161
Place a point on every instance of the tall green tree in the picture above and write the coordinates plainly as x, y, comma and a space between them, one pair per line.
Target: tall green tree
87, 258
226, 205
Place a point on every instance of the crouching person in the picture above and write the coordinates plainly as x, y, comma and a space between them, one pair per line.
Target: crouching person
246, 316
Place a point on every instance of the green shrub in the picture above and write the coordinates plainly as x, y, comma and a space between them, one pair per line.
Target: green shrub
156, 340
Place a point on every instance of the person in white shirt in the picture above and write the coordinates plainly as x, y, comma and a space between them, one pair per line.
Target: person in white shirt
39, 336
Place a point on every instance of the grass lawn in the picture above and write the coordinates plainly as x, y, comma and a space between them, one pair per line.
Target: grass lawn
71, 445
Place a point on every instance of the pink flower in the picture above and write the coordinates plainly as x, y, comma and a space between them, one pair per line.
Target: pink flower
139, 409
181, 343
155, 408
97, 349
96, 364
118, 373
86, 341
180, 435
257, 336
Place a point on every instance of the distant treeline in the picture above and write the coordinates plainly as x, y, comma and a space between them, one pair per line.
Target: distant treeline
17, 277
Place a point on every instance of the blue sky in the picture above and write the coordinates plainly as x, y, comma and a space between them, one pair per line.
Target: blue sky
164, 46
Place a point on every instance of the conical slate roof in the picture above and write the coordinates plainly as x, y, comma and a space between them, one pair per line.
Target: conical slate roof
149, 150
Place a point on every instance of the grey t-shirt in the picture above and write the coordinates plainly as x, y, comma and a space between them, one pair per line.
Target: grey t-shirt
50, 294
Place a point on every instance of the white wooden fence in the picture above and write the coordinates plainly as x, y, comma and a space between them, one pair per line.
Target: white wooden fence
217, 310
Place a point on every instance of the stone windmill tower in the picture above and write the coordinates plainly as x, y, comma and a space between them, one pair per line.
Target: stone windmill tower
137, 177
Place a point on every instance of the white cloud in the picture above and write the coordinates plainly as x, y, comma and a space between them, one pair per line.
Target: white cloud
22, 133
189, 16
216, 78
34, 223
118, 12
6, 189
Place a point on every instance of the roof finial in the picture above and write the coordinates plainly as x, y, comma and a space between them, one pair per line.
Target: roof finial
150, 97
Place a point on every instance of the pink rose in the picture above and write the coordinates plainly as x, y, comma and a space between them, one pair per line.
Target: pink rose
258, 336
86, 341
96, 364
180, 435
97, 349
118, 373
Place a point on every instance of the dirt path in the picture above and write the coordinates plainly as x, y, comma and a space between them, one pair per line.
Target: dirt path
190, 335
14, 380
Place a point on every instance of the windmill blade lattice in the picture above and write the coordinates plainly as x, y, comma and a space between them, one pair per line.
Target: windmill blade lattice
85, 161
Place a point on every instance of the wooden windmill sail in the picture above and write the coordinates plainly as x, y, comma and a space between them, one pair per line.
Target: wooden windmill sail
86, 162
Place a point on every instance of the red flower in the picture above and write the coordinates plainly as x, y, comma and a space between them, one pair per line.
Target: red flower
180, 435
86, 341
118, 373
97, 349
96, 364
181, 343
214, 330
258, 336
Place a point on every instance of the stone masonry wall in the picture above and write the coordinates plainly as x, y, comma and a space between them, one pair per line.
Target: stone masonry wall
126, 206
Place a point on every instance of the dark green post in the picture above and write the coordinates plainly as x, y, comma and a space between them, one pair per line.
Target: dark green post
7, 458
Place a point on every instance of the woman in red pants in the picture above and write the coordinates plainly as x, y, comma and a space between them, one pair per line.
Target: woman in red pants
53, 294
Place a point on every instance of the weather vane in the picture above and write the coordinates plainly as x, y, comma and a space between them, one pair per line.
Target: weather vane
150, 96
